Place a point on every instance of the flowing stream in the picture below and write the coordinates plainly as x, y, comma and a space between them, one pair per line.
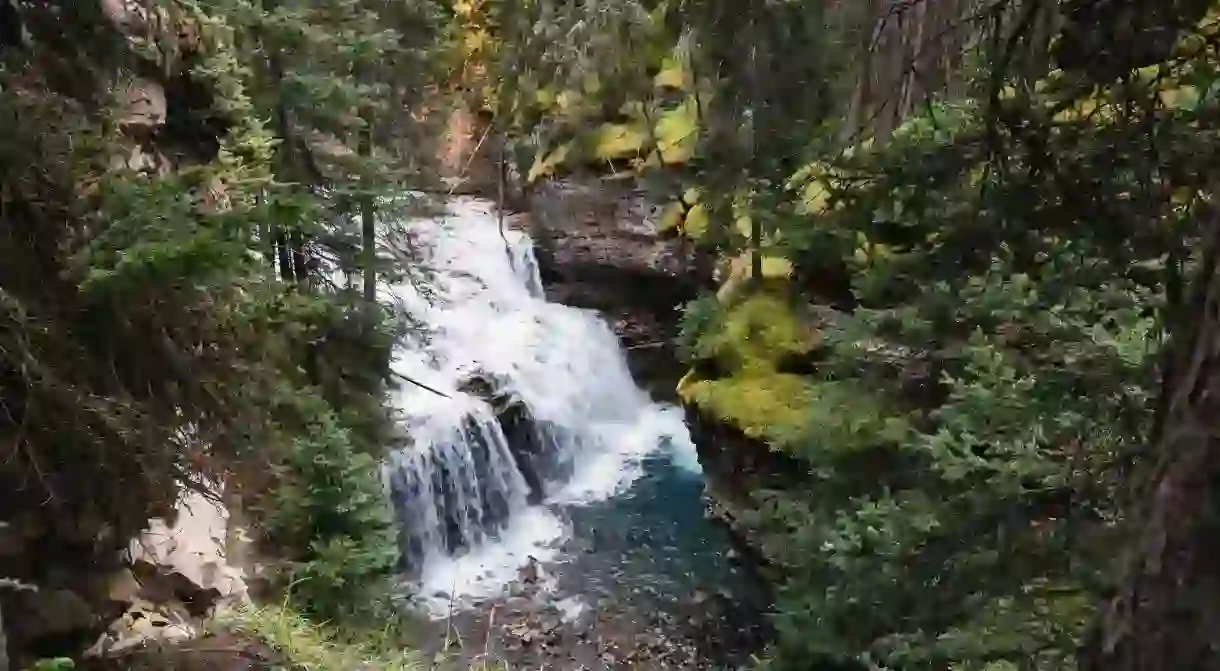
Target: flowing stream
548, 508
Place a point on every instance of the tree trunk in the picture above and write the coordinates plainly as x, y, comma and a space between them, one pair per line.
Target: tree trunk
1166, 615
4, 666
758, 125
368, 224
285, 256
266, 240
301, 259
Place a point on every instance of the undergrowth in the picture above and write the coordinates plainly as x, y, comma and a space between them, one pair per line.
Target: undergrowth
309, 645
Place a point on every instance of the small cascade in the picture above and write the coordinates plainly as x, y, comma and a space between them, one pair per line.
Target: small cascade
461, 490
536, 408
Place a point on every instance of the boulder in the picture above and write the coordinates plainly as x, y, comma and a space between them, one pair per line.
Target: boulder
186, 559
129, 16
145, 108
179, 576
527, 441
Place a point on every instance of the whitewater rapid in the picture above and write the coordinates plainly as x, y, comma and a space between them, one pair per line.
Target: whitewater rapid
461, 498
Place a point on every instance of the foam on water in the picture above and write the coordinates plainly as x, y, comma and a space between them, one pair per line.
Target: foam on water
460, 497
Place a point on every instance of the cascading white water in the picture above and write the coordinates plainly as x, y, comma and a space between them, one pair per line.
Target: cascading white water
463, 489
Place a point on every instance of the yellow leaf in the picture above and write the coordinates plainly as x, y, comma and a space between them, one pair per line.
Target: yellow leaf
678, 133
569, 104
776, 267
673, 75
815, 197
691, 195
592, 83
545, 97
1182, 196
544, 165
1179, 97
744, 225
618, 141
671, 217
696, 221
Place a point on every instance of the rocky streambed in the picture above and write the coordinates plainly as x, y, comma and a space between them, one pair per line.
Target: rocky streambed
646, 581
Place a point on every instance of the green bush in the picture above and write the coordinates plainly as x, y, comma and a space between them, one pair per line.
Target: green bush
329, 519
967, 419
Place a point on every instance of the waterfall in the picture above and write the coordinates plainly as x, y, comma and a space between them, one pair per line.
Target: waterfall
536, 409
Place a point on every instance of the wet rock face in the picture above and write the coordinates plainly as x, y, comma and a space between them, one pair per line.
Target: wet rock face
534, 443
734, 465
598, 247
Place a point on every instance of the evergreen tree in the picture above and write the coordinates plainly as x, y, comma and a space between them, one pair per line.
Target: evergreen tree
159, 162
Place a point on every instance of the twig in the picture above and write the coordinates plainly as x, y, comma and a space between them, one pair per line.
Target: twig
17, 585
421, 385
449, 617
491, 623
501, 178
470, 159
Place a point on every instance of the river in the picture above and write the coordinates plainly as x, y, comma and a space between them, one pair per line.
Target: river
550, 512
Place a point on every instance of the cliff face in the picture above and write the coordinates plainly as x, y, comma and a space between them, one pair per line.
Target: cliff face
599, 248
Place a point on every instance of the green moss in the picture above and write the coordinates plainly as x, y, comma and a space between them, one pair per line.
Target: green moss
764, 405
748, 343
757, 333
808, 416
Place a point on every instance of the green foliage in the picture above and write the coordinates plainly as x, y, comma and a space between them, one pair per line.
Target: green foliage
1003, 268
328, 517
1013, 338
145, 332
739, 350
305, 644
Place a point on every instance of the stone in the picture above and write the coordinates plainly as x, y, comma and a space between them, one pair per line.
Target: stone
599, 247
520, 430
129, 16
123, 587
140, 159
146, 108
145, 622
186, 559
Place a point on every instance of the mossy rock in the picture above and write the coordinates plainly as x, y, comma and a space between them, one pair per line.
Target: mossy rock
757, 333
763, 404
748, 343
